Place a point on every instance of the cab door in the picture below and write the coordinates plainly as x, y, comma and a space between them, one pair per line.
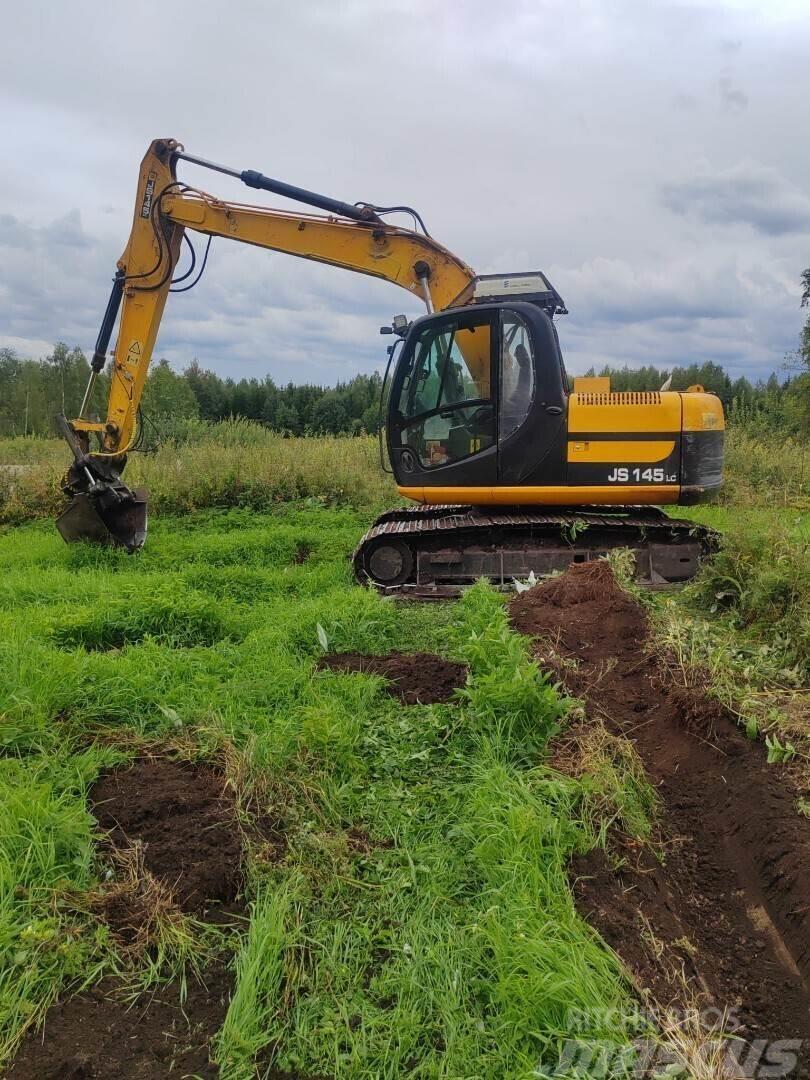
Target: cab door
442, 419
533, 401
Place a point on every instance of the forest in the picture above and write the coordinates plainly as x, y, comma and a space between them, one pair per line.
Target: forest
34, 392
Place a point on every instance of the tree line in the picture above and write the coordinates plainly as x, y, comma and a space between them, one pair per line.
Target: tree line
33, 392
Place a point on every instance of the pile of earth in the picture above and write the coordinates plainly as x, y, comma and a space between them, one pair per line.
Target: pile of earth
415, 678
729, 901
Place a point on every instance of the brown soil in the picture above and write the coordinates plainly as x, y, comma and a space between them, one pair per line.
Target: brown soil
359, 842
98, 1035
415, 678
175, 845
731, 899
186, 822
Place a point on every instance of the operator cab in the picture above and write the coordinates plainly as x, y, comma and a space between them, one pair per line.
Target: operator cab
479, 393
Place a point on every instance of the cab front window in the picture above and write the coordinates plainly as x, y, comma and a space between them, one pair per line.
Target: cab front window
445, 404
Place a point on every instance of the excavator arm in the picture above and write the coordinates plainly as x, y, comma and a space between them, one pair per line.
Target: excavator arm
353, 237
165, 208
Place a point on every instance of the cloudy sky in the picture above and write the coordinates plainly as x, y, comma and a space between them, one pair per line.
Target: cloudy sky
650, 156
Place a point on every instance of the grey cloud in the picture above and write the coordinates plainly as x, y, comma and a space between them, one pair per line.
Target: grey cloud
540, 133
13, 233
731, 96
738, 313
686, 102
613, 290
746, 194
66, 231
735, 343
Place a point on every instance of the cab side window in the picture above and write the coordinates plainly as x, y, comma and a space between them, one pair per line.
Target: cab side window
517, 373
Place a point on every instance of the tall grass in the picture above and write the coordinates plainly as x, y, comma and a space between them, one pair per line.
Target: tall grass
46, 852
233, 463
765, 468
259, 974
240, 463
759, 582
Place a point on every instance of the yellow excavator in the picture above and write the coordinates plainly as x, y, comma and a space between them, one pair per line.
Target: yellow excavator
512, 471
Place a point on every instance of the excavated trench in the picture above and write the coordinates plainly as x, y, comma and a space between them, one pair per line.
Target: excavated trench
725, 915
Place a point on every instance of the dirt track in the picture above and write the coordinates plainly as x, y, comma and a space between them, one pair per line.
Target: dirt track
731, 901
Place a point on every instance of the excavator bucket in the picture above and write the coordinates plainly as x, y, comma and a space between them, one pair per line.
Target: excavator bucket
120, 522
102, 509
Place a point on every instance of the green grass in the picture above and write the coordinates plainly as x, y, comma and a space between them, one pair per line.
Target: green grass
259, 976
46, 852
745, 621
759, 583
451, 946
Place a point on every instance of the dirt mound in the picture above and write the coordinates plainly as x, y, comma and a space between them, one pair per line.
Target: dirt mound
731, 900
101, 1035
415, 678
175, 846
581, 612
582, 582
698, 712
185, 821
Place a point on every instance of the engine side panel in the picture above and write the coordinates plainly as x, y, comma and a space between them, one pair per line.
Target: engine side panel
628, 440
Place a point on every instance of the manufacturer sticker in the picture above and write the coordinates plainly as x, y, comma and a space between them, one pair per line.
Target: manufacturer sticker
148, 196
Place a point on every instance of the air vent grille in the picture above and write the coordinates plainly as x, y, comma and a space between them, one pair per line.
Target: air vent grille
635, 397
